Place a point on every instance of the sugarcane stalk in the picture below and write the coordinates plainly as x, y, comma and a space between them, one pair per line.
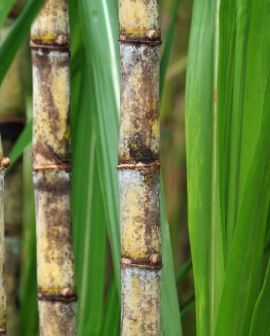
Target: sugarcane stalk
138, 169
11, 125
4, 162
52, 169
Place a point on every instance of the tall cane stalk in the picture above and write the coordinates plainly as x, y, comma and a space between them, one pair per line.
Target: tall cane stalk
52, 169
11, 125
138, 168
4, 162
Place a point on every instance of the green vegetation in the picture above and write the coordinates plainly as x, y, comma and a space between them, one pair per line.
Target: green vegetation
228, 165
223, 287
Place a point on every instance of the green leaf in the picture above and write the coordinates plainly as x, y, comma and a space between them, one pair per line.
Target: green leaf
23, 141
225, 110
100, 33
112, 317
186, 307
183, 272
5, 7
260, 325
206, 234
89, 238
89, 221
245, 266
17, 35
235, 17
243, 274
28, 282
168, 44
170, 312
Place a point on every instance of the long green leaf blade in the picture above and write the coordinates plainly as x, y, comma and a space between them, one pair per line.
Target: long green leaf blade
99, 19
17, 35
202, 162
170, 311
243, 274
260, 325
5, 7
21, 144
90, 217
246, 243
168, 44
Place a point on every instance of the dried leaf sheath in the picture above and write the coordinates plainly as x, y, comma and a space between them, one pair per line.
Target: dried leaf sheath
51, 170
139, 168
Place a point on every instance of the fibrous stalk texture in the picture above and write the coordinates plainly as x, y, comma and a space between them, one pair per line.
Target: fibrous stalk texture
52, 169
138, 168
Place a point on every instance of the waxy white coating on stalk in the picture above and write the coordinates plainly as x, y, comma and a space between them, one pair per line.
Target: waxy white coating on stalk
138, 168
51, 170
52, 312
139, 214
140, 299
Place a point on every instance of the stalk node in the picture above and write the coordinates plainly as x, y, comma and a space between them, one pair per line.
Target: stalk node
139, 165
5, 162
151, 37
66, 295
151, 34
61, 43
55, 166
125, 262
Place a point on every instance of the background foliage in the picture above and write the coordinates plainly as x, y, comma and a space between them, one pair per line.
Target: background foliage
228, 117
95, 109
227, 123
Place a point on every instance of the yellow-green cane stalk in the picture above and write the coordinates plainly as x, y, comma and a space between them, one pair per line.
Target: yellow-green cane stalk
52, 169
4, 162
11, 125
141, 259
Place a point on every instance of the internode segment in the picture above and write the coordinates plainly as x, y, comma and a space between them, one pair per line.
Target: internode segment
138, 168
52, 169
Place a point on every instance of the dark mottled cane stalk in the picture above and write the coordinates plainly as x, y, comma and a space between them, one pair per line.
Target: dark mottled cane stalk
11, 125
52, 169
4, 162
138, 168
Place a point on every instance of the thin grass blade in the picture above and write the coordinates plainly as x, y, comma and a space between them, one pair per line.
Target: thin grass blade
202, 162
17, 35
245, 267
246, 257
260, 325
168, 44
21, 144
5, 7
170, 311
